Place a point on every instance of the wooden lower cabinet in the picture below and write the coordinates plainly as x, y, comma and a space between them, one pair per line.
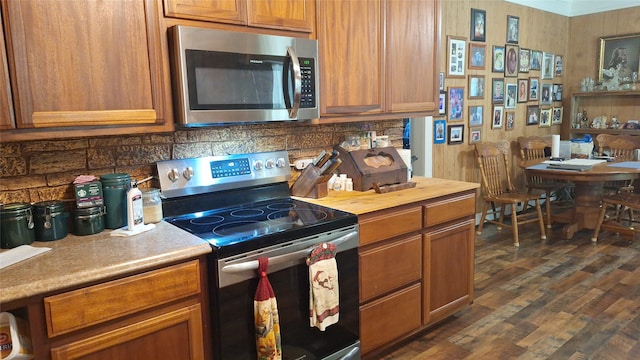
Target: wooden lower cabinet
157, 314
416, 267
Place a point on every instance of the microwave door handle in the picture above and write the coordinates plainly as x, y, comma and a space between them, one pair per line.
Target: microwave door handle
296, 255
297, 83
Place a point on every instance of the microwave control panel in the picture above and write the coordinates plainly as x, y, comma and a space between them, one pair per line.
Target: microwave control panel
308, 98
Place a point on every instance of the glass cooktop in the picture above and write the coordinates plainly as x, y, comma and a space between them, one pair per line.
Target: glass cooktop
250, 226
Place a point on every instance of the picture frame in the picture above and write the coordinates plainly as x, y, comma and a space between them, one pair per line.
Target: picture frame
497, 117
611, 49
533, 114
545, 94
476, 115
511, 66
478, 25
547, 69
439, 131
556, 94
523, 90
476, 86
534, 88
456, 134
441, 81
455, 103
556, 116
513, 29
442, 108
477, 56
475, 135
497, 64
456, 56
497, 91
510, 123
545, 118
536, 59
511, 96
558, 66
524, 60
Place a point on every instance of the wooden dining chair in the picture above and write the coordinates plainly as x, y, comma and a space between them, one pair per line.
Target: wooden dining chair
617, 224
539, 147
620, 147
498, 189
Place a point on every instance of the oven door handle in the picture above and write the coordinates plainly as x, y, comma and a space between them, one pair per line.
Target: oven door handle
253, 264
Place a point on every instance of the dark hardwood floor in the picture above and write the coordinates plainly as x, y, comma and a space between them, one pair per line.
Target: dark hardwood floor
558, 299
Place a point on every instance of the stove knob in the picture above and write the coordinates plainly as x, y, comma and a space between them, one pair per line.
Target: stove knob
258, 165
174, 174
280, 163
188, 173
269, 164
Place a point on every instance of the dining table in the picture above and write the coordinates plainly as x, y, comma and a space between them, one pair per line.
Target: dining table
589, 188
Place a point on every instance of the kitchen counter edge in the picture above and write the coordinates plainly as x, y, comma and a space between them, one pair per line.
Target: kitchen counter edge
77, 260
362, 202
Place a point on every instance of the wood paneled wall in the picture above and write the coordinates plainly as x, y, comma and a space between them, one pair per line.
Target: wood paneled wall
575, 38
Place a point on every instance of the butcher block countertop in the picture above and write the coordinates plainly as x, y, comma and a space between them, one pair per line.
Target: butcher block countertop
362, 202
76, 260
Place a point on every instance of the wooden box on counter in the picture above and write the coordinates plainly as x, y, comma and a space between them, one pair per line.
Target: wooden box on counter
366, 169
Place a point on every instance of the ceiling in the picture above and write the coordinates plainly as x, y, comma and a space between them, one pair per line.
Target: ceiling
577, 7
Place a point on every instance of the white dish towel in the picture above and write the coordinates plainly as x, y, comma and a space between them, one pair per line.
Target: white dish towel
324, 299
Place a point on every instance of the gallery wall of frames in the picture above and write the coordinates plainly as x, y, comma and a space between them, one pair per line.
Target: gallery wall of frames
507, 71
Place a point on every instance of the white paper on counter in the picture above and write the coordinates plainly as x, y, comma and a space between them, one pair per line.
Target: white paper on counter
17, 254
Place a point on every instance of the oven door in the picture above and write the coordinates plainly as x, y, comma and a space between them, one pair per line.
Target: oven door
233, 319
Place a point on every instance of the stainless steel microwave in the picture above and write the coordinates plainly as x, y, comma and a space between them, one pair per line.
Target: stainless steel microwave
230, 77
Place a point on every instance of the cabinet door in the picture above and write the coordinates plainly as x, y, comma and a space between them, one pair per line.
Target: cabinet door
411, 55
351, 57
448, 275
296, 15
6, 107
224, 11
79, 63
175, 335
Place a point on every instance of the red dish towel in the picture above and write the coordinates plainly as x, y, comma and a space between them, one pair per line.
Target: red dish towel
324, 299
265, 310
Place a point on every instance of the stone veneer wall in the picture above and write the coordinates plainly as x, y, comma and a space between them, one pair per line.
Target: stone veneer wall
35, 171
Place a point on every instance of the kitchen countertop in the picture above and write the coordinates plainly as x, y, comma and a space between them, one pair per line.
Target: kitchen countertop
76, 260
362, 202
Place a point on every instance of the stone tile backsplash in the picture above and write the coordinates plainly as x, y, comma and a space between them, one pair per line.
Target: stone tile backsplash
33, 171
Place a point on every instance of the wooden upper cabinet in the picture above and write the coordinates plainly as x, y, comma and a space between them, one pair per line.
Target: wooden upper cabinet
6, 107
350, 40
225, 11
85, 63
411, 52
378, 57
294, 15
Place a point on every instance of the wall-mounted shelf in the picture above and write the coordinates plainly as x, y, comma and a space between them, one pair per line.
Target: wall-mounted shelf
624, 104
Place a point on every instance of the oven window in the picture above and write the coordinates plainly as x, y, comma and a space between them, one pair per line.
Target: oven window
227, 81
233, 315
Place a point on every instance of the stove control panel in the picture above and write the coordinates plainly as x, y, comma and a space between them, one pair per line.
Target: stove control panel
191, 176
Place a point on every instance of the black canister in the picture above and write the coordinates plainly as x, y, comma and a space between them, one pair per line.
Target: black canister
88, 221
114, 193
16, 225
51, 221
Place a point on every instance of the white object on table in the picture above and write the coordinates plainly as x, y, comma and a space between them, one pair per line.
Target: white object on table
555, 146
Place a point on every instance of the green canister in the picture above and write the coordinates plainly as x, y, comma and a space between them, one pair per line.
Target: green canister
51, 221
88, 221
16, 225
114, 193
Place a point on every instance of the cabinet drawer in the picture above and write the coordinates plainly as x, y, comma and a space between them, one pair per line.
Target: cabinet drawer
389, 318
82, 308
439, 212
389, 224
389, 267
